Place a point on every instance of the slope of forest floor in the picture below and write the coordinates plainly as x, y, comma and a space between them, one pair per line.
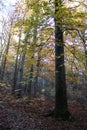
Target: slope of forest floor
21, 114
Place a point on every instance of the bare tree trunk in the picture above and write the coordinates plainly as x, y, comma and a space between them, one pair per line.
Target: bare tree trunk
16, 68
1, 55
37, 75
61, 107
37, 70
29, 87
85, 49
5, 59
21, 69
84, 40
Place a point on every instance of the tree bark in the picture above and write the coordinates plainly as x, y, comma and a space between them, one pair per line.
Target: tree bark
37, 73
16, 68
29, 87
5, 59
21, 69
61, 107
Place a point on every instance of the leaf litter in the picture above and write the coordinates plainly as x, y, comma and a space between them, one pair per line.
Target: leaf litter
18, 114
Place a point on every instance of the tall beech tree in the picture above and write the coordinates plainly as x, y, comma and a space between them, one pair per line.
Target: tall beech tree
71, 22
61, 107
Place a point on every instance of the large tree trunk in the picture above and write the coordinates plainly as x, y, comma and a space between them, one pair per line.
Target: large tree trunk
61, 107
60, 81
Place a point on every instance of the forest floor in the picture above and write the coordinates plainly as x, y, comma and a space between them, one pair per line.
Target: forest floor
21, 114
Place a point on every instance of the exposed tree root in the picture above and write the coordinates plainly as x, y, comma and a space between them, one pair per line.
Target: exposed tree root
60, 116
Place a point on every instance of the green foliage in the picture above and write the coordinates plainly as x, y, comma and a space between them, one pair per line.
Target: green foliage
69, 18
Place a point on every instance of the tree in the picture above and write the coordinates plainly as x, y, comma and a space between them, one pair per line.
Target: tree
61, 107
5, 59
5, 42
14, 87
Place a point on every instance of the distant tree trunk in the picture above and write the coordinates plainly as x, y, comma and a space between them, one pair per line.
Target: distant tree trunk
16, 68
61, 107
1, 44
29, 87
20, 76
85, 49
21, 68
15, 76
86, 67
84, 40
5, 59
1, 55
37, 74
